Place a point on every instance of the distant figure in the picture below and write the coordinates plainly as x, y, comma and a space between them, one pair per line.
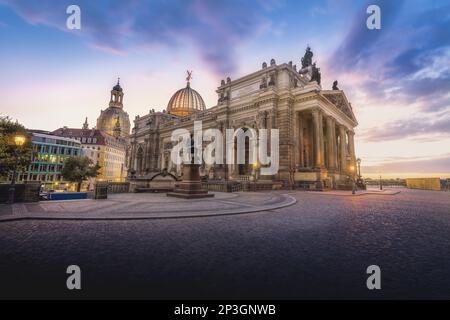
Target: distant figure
335, 85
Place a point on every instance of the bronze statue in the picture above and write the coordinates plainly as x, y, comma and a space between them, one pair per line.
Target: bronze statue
335, 85
315, 74
263, 83
307, 58
189, 75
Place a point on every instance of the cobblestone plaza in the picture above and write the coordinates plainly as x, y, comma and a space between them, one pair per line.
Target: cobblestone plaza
314, 245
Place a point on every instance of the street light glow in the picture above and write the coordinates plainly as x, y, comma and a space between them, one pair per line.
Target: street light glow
19, 140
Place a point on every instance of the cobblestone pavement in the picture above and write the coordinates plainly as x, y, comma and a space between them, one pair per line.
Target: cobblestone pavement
318, 248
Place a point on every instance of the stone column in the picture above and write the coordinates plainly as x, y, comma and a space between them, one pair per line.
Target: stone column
351, 148
330, 139
321, 140
300, 140
133, 156
151, 152
296, 138
161, 152
145, 155
318, 142
342, 148
335, 147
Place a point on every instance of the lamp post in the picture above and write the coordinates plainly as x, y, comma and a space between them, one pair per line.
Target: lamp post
255, 168
352, 172
19, 140
358, 161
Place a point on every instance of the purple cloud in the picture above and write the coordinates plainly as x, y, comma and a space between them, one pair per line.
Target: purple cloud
408, 128
214, 28
360, 44
431, 166
404, 63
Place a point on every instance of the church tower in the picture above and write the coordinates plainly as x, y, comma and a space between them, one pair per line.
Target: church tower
116, 96
114, 116
85, 124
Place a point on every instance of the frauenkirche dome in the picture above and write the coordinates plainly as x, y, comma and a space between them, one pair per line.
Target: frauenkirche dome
114, 116
186, 101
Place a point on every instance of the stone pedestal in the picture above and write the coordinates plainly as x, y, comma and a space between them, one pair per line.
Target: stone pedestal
191, 186
32, 189
101, 190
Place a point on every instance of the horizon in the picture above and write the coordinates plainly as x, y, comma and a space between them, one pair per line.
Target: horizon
396, 78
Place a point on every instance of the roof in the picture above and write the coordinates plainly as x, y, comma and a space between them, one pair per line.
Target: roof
185, 102
53, 136
82, 133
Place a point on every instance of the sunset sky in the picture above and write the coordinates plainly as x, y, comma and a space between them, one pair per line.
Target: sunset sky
397, 78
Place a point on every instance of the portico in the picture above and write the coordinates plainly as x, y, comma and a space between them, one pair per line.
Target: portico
323, 148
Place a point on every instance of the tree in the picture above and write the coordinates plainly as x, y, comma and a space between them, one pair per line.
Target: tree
79, 169
9, 151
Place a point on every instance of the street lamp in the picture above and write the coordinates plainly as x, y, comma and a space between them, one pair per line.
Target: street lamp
358, 161
19, 140
255, 168
352, 170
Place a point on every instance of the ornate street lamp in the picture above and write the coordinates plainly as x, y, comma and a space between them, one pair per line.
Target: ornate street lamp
352, 171
358, 161
19, 140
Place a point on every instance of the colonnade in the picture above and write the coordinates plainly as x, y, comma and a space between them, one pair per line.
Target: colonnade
321, 142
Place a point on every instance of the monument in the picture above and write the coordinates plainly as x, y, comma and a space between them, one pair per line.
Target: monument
190, 186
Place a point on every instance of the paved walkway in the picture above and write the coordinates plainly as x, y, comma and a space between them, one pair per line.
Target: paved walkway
319, 247
146, 206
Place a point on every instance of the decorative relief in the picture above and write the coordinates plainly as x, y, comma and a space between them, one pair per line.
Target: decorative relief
339, 101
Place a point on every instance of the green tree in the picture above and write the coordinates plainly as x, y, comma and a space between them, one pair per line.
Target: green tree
8, 149
79, 169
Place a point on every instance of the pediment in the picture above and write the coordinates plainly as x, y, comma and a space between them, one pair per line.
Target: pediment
338, 98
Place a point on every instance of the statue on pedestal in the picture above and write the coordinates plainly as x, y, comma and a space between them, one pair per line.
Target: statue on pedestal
335, 85
307, 58
315, 74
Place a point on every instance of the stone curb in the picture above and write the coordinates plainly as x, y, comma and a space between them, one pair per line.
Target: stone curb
287, 201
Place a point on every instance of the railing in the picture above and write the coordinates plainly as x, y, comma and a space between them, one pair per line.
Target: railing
223, 186
258, 186
385, 183
118, 187
236, 186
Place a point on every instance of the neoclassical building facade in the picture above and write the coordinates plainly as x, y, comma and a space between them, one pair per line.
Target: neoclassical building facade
316, 127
